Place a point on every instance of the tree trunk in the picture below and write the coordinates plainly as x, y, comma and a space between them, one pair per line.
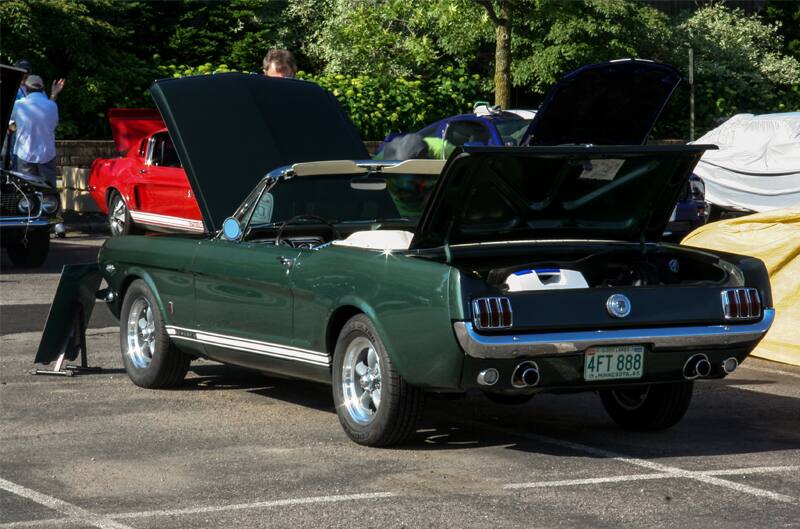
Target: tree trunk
502, 59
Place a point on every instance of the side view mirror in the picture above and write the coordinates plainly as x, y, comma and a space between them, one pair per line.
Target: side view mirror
231, 229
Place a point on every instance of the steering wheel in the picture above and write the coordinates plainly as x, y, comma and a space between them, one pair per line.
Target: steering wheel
306, 216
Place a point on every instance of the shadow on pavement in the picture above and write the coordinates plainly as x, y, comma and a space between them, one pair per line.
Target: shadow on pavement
722, 420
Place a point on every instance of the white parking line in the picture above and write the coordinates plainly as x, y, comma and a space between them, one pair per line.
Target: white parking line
254, 505
585, 481
73, 511
658, 467
748, 470
78, 517
642, 477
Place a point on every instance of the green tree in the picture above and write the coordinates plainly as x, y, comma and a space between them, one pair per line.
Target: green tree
739, 64
69, 39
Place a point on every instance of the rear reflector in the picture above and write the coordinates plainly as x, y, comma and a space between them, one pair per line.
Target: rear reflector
492, 313
741, 304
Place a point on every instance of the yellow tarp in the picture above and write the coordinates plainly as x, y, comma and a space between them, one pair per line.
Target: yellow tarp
773, 237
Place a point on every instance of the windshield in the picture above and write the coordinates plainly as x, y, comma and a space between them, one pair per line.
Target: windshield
333, 198
512, 130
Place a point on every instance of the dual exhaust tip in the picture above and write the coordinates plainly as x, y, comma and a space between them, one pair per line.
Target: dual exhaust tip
698, 366
526, 375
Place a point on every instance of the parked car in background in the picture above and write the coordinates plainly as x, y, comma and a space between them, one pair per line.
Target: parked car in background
485, 125
28, 204
757, 166
525, 270
146, 188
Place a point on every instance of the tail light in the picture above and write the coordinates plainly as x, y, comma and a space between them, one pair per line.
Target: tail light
741, 304
492, 313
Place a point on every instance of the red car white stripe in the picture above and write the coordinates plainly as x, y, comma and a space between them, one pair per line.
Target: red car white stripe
166, 221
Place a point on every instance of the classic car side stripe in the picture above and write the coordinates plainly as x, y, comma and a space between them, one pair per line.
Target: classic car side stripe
167, 221
251, 346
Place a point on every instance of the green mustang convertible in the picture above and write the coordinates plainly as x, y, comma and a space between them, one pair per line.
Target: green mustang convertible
508, 270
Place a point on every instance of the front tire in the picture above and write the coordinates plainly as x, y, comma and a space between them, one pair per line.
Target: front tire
648, 408
33, 253
376, 407
150, 359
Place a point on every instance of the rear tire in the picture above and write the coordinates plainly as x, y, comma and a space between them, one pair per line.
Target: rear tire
33, 253
119, 218
376, 407
150, 359
648, 408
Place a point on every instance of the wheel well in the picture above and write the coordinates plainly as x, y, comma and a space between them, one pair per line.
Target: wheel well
337, 320
123, 289
110, 191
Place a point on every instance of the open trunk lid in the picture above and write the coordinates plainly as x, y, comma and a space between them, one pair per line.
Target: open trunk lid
610, 103
130, 125
494, 194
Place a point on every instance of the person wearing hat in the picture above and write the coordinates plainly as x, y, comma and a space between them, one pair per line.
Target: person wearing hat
23, 64
36, 119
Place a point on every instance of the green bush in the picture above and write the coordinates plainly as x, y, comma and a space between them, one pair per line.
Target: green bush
380, 105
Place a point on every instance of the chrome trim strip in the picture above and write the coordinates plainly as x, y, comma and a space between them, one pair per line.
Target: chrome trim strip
476, 313
726, 305
16, 223
545, 344
252, 346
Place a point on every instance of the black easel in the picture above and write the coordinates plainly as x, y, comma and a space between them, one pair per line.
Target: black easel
75, 340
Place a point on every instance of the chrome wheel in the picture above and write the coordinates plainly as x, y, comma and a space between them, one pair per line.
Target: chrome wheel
361, 380
632, 398
118, 216
141, 333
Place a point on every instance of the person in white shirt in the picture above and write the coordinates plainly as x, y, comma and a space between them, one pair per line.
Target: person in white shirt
36, 119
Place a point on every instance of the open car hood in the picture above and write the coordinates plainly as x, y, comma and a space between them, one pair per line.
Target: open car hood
493, 194
609, 103
10, 79
230, 129
130, 125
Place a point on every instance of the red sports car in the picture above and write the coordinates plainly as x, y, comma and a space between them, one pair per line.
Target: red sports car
147, 187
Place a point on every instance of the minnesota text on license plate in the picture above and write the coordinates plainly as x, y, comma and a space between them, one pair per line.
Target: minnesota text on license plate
603, 363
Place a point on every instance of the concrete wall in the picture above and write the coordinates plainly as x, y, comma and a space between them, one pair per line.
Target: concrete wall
80, 153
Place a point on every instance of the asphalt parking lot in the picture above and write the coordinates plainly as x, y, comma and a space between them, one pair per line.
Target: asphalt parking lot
239, 448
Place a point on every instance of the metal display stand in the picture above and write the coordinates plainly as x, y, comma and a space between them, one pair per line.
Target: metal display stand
75, 341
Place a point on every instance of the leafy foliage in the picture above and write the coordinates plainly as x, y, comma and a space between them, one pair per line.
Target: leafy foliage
738, 64
380, 105
388, 60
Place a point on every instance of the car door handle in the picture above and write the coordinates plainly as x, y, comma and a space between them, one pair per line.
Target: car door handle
142, 171
288, 262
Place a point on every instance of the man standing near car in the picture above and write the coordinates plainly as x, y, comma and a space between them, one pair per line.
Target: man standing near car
279, 63
36, 118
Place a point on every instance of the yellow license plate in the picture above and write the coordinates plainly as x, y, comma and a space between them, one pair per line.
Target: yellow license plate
609, 363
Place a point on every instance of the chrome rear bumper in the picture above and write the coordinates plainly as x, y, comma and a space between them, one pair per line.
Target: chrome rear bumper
545, 344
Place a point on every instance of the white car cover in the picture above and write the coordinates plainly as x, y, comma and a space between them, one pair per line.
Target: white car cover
757, 166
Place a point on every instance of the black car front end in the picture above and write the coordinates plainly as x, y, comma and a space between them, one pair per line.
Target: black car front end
28, 208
